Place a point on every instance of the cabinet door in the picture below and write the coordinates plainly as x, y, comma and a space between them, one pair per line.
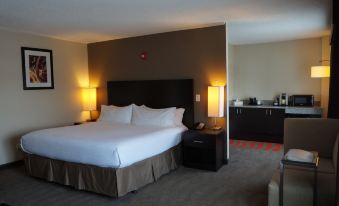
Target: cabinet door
236, 123
242, 122
255, 122
233, 122
276, 123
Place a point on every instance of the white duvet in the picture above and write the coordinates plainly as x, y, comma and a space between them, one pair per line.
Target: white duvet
102, 144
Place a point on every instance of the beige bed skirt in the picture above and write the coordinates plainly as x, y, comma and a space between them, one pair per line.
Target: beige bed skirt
109, 181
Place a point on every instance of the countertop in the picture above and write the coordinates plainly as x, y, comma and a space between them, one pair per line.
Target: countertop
288, 109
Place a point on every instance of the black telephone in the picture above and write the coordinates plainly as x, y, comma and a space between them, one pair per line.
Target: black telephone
199, 126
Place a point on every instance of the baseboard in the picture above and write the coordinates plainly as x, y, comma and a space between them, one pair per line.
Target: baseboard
12, 164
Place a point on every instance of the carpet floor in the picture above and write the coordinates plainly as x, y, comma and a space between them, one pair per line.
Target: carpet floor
242, 182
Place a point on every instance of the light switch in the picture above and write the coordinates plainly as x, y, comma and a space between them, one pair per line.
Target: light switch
197, 97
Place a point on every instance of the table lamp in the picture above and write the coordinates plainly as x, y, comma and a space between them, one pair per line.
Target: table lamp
215, 104
89, 99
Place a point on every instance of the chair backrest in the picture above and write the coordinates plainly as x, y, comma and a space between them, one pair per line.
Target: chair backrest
313, 134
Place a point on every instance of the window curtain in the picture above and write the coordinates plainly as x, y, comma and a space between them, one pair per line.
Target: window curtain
333, 105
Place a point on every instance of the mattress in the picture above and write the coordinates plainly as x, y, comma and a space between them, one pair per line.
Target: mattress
102, 144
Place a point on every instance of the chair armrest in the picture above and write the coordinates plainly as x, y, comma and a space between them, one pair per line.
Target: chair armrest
311, 134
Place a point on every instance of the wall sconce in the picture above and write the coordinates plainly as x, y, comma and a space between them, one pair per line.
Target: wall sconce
89, 100
320, 71
215, 103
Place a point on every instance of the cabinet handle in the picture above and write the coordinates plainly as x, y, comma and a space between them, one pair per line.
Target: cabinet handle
198, 141
240, 110
237, 111
270, 112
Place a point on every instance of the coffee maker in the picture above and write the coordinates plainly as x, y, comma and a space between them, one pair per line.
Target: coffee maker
253, 101
283, 100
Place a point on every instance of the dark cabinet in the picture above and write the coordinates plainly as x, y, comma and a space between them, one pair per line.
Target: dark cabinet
204, 149
275, 123
262, 124
235, 123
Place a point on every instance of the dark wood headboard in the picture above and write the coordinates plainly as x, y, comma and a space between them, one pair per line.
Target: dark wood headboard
156, 94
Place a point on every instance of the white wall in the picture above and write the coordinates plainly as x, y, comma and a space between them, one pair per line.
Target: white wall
21, 110
268, 69
230, 72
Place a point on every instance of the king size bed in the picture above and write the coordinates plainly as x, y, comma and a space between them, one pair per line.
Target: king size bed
116, 157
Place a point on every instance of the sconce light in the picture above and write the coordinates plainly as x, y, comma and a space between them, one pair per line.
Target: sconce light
215, 103
320, 71
89, 100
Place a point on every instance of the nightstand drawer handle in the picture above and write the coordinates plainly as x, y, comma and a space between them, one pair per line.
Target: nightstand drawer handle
198, 141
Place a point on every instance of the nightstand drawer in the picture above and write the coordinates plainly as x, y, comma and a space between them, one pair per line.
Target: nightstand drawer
199, 140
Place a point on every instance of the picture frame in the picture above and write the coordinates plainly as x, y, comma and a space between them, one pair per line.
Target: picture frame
37, 68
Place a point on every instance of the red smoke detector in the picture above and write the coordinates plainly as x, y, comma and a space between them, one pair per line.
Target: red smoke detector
143, 55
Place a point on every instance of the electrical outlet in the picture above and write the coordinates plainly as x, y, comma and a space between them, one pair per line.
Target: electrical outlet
197, 97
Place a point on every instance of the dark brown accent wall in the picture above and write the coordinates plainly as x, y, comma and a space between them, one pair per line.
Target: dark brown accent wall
196, 53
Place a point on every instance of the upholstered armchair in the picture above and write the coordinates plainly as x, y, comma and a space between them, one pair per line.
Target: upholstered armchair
314, 135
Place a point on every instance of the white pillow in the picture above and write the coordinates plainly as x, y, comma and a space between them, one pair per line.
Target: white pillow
143, 115
179, 114
115, 114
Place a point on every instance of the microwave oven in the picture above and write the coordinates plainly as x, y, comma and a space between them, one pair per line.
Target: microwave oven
302, 100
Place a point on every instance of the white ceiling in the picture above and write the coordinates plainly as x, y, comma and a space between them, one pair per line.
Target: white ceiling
249, 21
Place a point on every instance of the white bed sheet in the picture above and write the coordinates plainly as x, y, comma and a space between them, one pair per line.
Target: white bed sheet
102, 144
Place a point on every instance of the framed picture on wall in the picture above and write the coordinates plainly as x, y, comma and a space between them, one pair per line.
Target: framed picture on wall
37, 68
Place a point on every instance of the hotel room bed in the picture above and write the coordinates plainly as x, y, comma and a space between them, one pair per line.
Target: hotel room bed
112, 158
102, 144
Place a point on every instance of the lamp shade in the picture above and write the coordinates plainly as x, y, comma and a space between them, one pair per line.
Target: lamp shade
320, 71
215, 101
89, 99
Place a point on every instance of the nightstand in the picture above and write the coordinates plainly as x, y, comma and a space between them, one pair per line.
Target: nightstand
204, 149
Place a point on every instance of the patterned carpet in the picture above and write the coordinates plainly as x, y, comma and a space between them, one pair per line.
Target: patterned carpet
274, 147
243, 182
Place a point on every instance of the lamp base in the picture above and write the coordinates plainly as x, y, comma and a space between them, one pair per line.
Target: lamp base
91, 120
216, 127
